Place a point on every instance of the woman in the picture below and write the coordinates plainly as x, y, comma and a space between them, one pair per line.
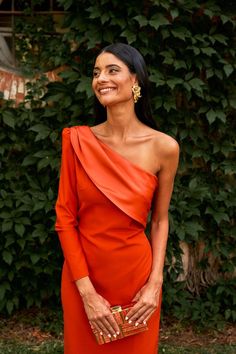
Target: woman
111, 175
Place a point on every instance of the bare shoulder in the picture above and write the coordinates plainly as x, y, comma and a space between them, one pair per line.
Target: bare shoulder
165, 144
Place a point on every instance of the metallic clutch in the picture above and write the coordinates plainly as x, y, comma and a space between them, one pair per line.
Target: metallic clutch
126, 328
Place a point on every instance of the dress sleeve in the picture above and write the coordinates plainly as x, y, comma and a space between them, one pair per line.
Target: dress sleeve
66, 212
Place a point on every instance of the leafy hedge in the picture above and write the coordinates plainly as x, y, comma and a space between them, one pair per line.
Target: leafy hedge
189, 47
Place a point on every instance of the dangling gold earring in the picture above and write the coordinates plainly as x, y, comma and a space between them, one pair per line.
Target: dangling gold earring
136, 89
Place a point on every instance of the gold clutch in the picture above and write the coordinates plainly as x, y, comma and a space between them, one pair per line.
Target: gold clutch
126, 328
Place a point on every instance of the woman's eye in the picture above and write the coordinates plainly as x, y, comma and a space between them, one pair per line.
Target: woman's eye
113, 70
95, 74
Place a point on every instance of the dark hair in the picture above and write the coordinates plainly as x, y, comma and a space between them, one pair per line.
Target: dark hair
136, 64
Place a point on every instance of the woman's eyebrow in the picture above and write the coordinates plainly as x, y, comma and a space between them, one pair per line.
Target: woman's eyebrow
107, 66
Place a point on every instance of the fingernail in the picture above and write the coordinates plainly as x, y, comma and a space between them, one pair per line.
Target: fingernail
109, 335
114, 335
101, 334
144, 322
126, 318
118, 333
130, 321
136, 324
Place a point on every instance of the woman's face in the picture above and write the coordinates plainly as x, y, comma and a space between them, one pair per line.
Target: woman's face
112, 80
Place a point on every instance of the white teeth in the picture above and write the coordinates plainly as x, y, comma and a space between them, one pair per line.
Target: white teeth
106, 90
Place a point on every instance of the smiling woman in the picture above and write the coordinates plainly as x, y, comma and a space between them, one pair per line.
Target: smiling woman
111, 176
112, 80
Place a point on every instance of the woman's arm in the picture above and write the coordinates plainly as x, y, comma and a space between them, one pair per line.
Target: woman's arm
66, 212
148, 297
96, 307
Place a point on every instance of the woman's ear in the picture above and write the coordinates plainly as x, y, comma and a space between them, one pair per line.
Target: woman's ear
134, 79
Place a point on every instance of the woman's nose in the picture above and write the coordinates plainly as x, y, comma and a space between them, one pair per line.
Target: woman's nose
102, 77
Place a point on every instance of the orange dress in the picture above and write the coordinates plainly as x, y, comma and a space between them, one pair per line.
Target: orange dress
102, 207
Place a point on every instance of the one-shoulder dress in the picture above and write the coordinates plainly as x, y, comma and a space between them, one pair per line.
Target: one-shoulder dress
101, 214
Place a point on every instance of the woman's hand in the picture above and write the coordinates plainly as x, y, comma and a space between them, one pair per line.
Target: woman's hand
147, 300
99, 314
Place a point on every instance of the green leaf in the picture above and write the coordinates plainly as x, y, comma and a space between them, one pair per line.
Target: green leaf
228, 69
169, 104
209, 73
158, 20
227, 314
9, 119
42, 130
232, 101
142, 20
181, 33
34, 258
196, 84
10, 306
208, 51
130, 36
219, 216
5, 215
225, 19
174, 13
21, 242
84, 85
180, 64
7, 225
105, 18
174, 82
94, 12
220, 38
211, 116
43, 163
20, 229
7, 257
29, 160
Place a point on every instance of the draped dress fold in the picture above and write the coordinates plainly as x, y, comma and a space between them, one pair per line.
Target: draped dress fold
101, 214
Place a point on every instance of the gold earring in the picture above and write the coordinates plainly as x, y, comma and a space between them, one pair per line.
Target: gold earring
136, 89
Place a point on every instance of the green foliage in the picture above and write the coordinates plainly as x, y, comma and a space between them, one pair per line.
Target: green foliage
54, 346
189, 47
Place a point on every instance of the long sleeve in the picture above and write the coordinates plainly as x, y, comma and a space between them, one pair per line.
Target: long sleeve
66, 212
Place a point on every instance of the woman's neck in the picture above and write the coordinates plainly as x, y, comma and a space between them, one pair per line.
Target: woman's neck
121, 122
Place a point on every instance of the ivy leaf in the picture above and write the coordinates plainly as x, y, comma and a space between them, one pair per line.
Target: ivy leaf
220, 38
42, 130
20, 229
84, 85
142, 20
174, 13
130, 36
158, 20
208, 51
181, 33
219, 216
196, 84
7, 257
232, 101
211, 116
29, 160
9, 119
66, 3
34, 258
228, 69
10, 306
6, 225
174, 82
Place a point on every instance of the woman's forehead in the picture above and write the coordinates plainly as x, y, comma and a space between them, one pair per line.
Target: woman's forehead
105, 59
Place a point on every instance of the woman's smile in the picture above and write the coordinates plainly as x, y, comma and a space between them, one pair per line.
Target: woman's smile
105, 90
